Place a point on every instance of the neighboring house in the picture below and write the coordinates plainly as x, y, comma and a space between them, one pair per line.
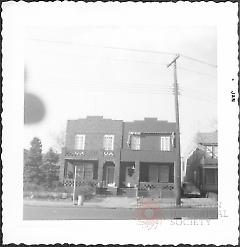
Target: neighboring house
124, 157
202, 164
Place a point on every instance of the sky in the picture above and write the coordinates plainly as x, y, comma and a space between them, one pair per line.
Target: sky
120, 72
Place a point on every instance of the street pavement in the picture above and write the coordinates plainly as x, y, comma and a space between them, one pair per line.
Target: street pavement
115, 208
83, 213
126, 202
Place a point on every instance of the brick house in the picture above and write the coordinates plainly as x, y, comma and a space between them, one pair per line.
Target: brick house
92, 146
122, 157
148, 150
202, 164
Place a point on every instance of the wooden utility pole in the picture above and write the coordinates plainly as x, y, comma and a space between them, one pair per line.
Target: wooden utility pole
177, 167
74, 183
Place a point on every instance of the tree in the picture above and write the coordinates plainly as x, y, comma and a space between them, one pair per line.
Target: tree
32, 171
50, 168
25, 159
58, 138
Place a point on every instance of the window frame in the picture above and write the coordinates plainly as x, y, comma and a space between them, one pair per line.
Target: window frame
104, 142
83, 142
84, 170
215, 151
139, 144
209, 149
163, 147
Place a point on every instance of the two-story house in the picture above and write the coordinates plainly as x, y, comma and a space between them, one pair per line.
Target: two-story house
93, 149
202, 163
148, 156
127, 156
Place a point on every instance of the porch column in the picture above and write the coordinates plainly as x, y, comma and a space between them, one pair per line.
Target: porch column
100, 170
116, 173
137, 172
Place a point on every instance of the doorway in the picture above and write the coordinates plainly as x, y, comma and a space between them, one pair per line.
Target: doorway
129, 176
110, 175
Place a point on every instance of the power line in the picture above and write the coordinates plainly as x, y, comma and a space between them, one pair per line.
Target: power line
197, 98
195, 71
199, 61
105, 47
127, 60
97, 83
133, 50
137, 88
138, 50
168, 87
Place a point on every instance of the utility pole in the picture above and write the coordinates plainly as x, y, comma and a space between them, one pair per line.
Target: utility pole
74, 183
177, 167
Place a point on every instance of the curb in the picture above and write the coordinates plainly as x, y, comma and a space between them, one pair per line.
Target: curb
117, 207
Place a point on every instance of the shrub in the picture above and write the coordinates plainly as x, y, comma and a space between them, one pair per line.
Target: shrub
86, 190
32, 187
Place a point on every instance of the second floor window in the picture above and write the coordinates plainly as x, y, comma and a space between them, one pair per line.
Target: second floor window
108, 142
209, 150
135, 142
79, 142
215, 151
212, 151
165, 143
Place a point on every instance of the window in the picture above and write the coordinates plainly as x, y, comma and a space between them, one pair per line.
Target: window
165, 143
215, 151
79, 142
88, 172
159, 174
209, 150
85, 171
135, 142
108, 142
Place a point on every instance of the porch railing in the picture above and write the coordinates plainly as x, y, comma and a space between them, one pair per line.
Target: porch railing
151, 186
73, 153
70, 182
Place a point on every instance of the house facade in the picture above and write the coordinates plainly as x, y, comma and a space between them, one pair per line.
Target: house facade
202, 164
131, 158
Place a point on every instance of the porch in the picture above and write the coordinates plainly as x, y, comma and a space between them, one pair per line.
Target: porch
147, 179
101, 175
209, 178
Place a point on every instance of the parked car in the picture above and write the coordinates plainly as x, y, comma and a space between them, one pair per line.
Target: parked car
190, 190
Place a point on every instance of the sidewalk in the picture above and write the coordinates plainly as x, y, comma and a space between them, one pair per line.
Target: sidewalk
199, 202
126, 202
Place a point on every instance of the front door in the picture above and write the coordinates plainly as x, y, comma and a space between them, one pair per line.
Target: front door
110, 175
129, 178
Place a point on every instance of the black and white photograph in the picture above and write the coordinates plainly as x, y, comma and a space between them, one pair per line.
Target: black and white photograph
119, 110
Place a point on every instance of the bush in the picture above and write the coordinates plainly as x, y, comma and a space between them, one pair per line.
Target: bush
88, 191
32, 187
58, 191
32, 190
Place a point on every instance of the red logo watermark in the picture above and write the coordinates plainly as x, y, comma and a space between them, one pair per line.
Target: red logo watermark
148, 213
